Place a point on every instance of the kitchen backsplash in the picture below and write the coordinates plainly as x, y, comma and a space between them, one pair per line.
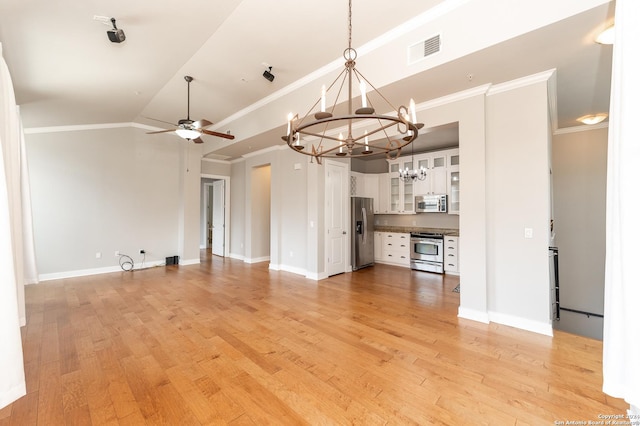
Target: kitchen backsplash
427, 220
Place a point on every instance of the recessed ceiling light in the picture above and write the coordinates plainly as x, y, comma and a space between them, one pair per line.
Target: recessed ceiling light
607, 36
592, 118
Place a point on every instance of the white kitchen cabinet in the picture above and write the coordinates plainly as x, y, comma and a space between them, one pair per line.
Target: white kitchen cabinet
451, 263
370, 183
401, 194
382, 206
356, 187
453, 181
435, 164
395, 248
378, 255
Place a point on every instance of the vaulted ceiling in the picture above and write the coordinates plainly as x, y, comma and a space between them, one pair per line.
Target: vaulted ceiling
66, 72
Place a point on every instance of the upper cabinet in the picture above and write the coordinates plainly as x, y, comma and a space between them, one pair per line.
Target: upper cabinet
435, 163
382, 206
442, 177
453, 181
401, 194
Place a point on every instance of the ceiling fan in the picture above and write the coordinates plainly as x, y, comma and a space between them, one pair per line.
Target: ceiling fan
189, 129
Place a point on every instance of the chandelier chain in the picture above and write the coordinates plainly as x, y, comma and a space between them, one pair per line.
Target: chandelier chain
350, 27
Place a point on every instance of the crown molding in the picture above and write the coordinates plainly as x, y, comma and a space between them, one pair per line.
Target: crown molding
215, 160
82, 127
454, 97
540, 77
581, 128
262, 151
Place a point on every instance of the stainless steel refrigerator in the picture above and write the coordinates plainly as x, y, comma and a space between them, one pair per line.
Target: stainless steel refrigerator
362, 232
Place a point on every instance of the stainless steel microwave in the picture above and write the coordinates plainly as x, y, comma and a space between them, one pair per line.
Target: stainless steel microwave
431, 203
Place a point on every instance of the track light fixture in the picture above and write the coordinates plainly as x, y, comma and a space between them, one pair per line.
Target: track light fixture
267, 74
115, 35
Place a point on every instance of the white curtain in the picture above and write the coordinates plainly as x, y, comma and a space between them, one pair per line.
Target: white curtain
621, 339
12, 385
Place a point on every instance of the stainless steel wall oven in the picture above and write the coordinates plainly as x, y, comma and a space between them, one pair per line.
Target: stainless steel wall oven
427, 252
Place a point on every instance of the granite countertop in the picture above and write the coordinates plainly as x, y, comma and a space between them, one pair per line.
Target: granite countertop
410, 229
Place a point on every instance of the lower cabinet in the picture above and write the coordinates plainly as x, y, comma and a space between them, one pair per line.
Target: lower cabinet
451, 254
395, 248
377, 246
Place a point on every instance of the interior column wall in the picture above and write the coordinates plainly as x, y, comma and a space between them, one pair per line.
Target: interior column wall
518, 194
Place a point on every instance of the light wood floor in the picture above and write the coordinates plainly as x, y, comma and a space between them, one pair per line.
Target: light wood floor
225, 342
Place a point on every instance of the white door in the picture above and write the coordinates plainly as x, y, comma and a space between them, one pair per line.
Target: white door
217, 245
336, 214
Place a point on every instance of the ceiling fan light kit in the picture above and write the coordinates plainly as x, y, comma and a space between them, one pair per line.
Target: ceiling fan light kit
189, 129
374, 135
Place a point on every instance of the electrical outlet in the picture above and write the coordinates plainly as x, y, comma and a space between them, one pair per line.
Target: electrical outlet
98, 255
117, 253
528, 232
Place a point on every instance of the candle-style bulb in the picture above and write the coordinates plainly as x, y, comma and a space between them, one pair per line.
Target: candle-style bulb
363, 92
412, 108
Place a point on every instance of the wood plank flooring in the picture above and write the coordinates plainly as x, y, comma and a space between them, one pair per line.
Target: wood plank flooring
225, 342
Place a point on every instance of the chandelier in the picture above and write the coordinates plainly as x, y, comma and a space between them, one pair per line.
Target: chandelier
412, 175
367, 133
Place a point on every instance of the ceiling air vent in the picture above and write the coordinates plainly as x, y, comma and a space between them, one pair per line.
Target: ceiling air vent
424, 48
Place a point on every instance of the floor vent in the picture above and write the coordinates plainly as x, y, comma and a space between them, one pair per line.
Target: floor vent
424, 48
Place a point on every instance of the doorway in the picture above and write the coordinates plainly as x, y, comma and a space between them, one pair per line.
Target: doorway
214, 215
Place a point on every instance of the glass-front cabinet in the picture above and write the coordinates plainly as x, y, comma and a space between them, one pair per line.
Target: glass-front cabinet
443, 177
394, 188
453, 182
407, 191
401, 196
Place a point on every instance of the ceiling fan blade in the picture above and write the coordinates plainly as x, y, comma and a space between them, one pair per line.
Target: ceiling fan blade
161, 121
218, 134
161, 131
197, 140
202, 123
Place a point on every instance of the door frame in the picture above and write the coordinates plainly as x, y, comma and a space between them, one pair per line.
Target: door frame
227, 203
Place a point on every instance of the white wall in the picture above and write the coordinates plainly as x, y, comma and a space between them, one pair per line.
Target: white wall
102, 191
260, 213
291, 179
468, 109
215, 167
579, 192
284, 240
518, 188
236, 227
189, 207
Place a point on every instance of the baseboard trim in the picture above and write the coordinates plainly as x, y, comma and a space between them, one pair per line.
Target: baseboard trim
287, 268
10, 395
522, 323
258, 259
317, 276
190, 262
96, 271
474, 315
236, 256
